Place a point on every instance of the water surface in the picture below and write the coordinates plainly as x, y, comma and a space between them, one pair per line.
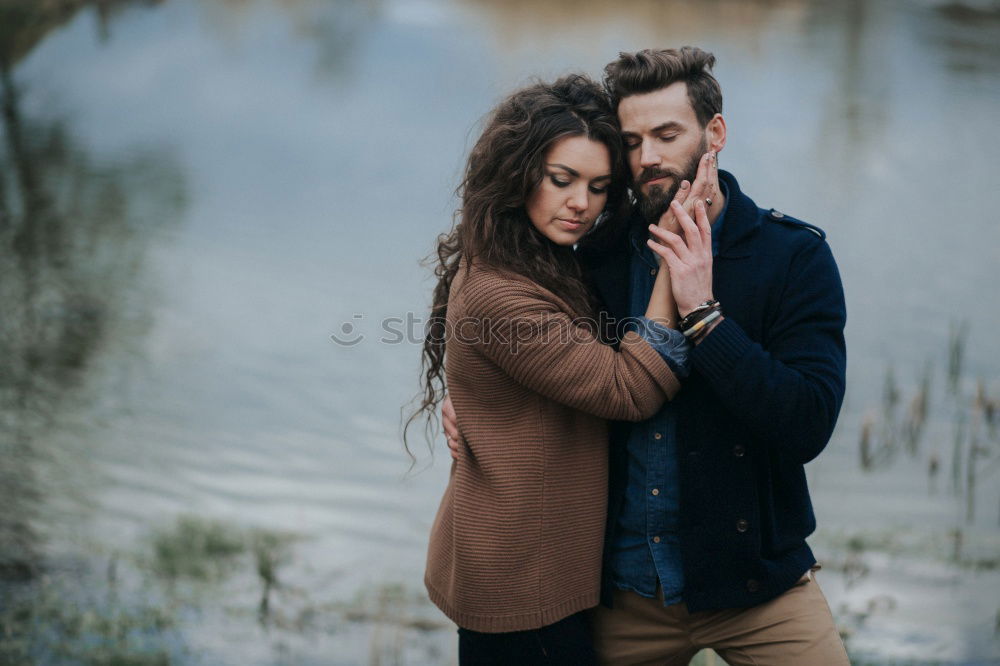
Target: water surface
196, 196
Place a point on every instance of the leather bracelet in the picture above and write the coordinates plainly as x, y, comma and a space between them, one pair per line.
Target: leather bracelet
697, 329
698, 314
689, 318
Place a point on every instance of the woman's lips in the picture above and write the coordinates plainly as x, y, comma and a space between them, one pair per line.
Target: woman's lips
570, 224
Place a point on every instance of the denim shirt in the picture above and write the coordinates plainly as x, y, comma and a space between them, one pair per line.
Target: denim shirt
646, 548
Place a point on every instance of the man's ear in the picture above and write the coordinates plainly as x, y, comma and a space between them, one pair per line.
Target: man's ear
715, 132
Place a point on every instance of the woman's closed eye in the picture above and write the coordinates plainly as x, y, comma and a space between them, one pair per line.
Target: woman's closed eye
561, 182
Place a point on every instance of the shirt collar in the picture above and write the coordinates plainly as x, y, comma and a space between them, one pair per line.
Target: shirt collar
717, 225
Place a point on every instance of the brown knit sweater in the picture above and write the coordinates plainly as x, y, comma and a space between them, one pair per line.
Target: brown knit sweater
517, 540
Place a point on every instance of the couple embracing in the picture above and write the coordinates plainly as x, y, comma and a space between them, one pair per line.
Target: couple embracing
639, 362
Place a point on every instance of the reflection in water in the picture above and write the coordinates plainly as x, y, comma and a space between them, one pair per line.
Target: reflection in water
335, 27
25, 23
855, 117
673, 16
649, 23
860, 107
72, 238
967, 36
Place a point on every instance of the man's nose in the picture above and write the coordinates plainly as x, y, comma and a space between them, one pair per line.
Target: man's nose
647, 156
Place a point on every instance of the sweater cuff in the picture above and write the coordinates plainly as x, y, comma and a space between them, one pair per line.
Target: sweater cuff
654, 364
717, 354
668, 342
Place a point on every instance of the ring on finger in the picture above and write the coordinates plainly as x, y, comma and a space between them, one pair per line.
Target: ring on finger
708, 202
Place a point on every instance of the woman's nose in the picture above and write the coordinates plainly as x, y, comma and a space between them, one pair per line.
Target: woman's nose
578, 200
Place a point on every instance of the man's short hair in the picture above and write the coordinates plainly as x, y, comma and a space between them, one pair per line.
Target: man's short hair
652, 69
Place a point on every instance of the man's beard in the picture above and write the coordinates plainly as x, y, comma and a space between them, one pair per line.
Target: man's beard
654, 204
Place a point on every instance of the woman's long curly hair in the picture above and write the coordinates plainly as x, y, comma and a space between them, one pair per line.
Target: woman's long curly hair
493, 228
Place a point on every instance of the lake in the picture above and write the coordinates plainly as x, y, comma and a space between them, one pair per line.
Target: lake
196, 198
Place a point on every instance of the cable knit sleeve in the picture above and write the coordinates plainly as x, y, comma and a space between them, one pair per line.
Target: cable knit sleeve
522, 328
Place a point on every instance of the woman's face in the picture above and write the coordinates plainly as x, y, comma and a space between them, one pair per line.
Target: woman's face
573, 189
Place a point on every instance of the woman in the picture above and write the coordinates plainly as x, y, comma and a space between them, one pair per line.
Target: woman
515, 550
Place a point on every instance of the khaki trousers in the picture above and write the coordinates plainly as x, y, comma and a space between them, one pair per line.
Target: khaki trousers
794, 628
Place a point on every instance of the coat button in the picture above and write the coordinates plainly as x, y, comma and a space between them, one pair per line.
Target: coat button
752, 585
742, 525
652, 271
777, 214
658, 436
739, 451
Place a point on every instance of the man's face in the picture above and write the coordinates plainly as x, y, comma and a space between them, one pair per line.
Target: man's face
665, 142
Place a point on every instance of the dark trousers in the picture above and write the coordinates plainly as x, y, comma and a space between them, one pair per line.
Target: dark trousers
566, 642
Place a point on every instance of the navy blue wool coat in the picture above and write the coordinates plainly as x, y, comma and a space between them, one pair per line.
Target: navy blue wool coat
762, 400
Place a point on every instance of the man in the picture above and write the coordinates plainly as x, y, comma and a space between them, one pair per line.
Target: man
708, 509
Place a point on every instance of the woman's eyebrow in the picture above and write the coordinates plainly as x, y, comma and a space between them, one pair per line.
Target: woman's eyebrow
575, 173
572, 172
